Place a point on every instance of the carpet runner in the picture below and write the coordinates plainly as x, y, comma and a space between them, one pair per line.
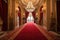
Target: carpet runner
30, 32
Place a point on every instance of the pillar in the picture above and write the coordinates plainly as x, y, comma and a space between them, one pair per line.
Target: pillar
54, 11
11, 14
48, 14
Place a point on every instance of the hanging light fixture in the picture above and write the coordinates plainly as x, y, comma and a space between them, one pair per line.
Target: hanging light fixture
30, 7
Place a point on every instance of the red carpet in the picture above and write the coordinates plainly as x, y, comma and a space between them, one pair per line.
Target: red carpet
30, 32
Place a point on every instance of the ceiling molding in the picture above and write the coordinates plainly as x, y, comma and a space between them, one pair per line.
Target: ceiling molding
25, 2
37, 5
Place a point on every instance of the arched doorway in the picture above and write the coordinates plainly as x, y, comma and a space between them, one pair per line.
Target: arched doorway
27, 14
18, 16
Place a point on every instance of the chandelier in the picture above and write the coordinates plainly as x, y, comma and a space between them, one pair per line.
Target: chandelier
30, 7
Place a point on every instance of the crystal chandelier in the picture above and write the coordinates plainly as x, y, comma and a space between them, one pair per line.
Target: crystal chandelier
30, 7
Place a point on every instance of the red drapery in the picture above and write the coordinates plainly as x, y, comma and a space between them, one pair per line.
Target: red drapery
26, 14
1, 9
19, 14
33, 13
41, 15
4, 14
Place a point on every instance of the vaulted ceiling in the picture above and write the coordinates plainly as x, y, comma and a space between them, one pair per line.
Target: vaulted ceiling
36, 3
25, 2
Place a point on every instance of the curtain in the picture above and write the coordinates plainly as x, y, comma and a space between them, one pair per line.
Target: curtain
4, 14
26, 14
1, 9
19, 14
58, 16
41, 15
33, 13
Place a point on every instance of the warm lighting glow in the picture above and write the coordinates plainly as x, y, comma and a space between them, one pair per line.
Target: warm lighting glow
30, 18
17, 9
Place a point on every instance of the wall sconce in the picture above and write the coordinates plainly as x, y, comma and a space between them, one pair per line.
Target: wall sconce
23, 14
44, 9
17, 9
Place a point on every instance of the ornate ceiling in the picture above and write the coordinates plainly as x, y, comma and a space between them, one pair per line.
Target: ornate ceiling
25, 2
36, 3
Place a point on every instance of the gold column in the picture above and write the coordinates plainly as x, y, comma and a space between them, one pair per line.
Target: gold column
44, 15
51, 13
11, 14
48, 13
54, 11
16, 12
